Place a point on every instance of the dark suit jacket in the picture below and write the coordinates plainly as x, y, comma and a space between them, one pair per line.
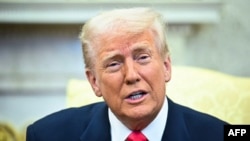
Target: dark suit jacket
91, 123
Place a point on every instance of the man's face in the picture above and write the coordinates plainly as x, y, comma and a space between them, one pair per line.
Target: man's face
130, 74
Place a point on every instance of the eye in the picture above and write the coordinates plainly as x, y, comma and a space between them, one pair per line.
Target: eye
113, 66
143, 58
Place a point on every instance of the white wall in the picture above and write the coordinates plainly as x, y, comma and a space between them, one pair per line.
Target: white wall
223, 46
36, 63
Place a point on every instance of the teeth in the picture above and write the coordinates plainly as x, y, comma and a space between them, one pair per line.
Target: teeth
134, 97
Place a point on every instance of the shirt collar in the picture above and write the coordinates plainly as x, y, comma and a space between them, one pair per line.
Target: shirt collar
119, 132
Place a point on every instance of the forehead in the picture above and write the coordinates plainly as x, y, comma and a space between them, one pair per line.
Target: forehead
125, 41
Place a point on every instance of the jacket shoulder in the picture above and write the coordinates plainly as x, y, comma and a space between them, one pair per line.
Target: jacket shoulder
71, 121
73, 114
199, 125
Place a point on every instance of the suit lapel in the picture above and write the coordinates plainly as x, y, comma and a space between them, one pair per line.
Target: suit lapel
99, 126
175, 125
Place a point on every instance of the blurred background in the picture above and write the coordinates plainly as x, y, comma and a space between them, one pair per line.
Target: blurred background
40, 50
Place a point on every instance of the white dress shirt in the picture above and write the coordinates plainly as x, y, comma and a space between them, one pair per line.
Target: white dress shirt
153, 132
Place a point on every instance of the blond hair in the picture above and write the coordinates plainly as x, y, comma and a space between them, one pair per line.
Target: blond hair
122, 22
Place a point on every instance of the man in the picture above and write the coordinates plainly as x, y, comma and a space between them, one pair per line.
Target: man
128, 64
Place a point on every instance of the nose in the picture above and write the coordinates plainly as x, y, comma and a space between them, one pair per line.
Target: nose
131, 73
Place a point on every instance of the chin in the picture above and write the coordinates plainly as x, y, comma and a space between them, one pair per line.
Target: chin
141, 113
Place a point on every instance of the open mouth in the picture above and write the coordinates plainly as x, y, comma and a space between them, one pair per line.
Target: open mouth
136, 95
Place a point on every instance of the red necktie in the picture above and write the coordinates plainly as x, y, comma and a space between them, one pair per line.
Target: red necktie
136, 136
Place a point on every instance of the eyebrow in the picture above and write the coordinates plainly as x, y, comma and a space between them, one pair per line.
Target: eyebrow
137, 48
141, 48
110, 56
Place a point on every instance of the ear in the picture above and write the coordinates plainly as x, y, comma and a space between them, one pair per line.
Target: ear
167, 68
93, 82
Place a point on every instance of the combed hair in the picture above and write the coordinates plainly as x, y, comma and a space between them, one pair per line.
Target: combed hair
121, 22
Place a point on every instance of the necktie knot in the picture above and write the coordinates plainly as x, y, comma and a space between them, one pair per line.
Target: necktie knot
136, 136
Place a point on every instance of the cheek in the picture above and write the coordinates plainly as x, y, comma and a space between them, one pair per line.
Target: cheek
153, 73
155, 78
111, 85
111, 89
